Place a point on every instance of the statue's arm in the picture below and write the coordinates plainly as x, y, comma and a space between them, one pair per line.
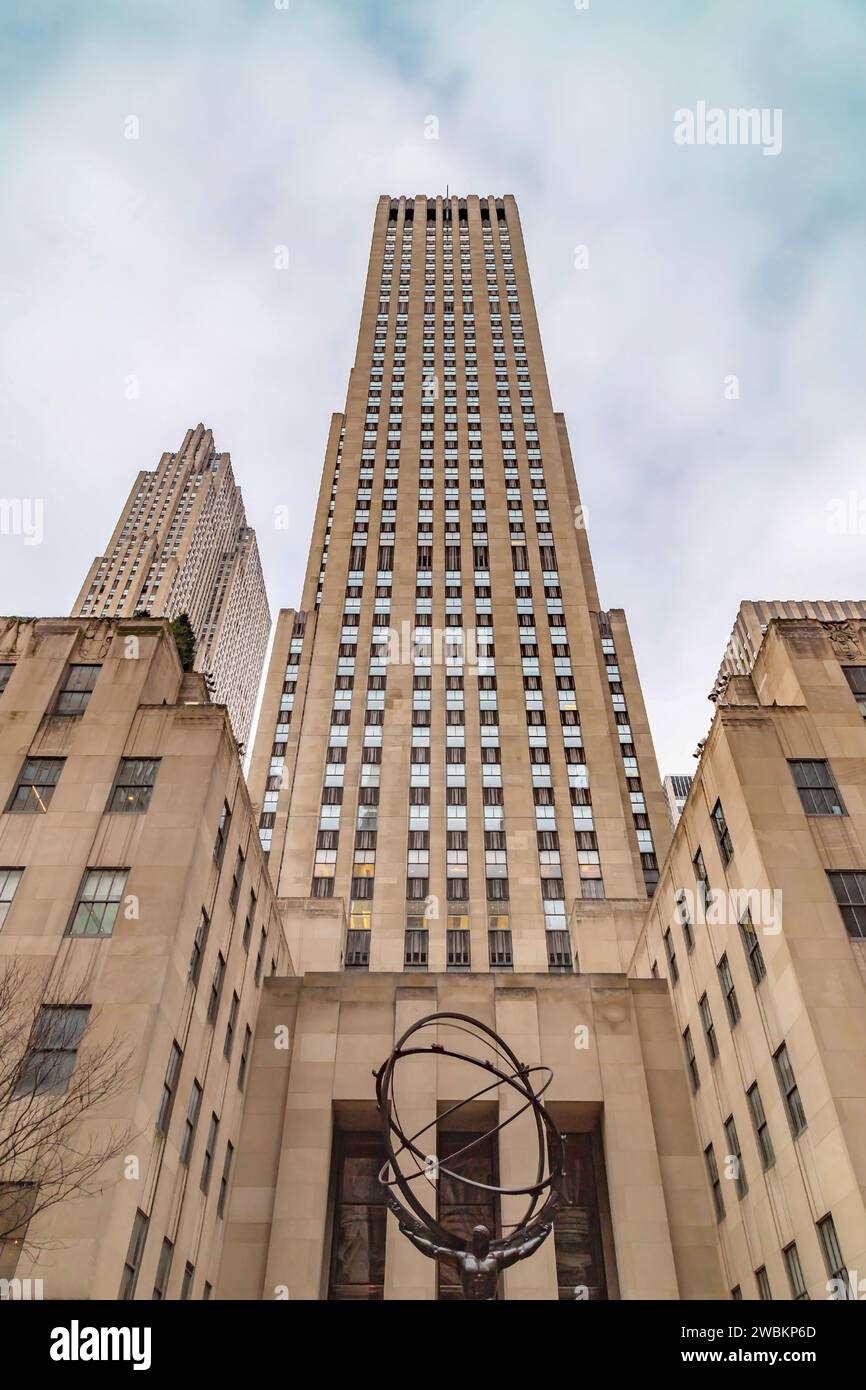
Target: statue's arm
527, 1247
416, 1233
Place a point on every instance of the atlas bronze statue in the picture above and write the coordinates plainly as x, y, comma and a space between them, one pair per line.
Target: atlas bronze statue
479, 1257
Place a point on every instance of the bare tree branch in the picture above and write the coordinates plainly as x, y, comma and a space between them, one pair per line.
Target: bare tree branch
53, 1086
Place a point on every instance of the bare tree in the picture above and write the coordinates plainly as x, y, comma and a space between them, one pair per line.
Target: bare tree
49, 1090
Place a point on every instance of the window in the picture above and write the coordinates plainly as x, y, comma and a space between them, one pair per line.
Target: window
230, 1025
763, 1283
49, 1061
163, 1269
795, 1273
18, 1201
459, 1206
6, 669
186, 1282
35, 786
222, 832
700, 869
684, 920
715, 1182
245, 1057
237, 876
818, 791
169, 1088
357, 1269
752, 948
133, 785
735, 1156
198, 947
74, 694
849, 888
726, 980
737, 1294
9, 881
840, 1284
98, 899
856, 678
208, 1290
224, 1180
216, 988
723, 835
762, 1129
190, 1122
133, 1256
671, 955
210, 1147
691, 1061
577, 1227
790, 1093
708, 1026
260, 956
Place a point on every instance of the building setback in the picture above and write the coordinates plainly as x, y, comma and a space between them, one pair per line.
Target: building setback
759, 927
459, 800
135, 901
182, 545
453, 755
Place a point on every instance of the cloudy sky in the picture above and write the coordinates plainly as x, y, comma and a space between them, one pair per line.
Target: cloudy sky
263, 124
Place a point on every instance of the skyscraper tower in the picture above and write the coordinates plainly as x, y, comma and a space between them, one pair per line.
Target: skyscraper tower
453, 743
182, 545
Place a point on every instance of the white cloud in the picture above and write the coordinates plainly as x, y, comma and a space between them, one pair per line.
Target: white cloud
262, 128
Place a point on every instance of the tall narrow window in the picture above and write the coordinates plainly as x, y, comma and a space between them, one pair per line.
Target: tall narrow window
709, 1027
762, 1129
260, 956
839, 1286
460, 1206
186, 1284
210, 1149
763, 1283
245, 1058
9, 881
752, 948
856, 678
190, 1122
222, 834
715, 1182
795, 1273
169, 1088
132, 1263
735, 1157
237, 876
224, 1179
231, 1023
726, 980
671, 955
358, 1246
790, 1091
163, 1270
580, 1272
216, 988
198, 947
723, 835
691, 1061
